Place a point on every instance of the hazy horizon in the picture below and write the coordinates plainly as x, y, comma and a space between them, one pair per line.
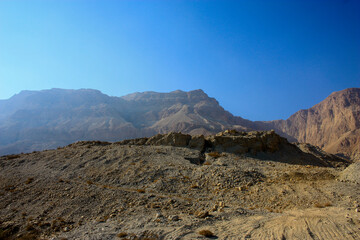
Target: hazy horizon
262, 60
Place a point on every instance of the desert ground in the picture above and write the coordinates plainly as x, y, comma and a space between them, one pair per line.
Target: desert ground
174, 186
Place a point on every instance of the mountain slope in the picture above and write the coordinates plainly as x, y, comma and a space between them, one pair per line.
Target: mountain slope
333, 124
37, 120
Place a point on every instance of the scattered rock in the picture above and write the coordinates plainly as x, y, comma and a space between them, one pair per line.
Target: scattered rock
173, 218
202, 214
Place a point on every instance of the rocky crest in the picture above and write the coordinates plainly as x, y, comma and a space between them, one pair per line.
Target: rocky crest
265, 144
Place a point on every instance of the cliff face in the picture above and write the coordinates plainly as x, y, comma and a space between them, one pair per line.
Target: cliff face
333, 124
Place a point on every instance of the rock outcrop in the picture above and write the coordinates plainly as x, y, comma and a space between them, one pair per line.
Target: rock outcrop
333, 124
263, 144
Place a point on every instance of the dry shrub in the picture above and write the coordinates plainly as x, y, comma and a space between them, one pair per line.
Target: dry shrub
140, 190
89, 182
269, 209
207, 163
12, 156
122, 235
214, 154
319, 205
29, 180
10, 188
206, 233
28, 236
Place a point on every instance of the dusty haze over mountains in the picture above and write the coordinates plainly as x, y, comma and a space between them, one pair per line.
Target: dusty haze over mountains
37, 120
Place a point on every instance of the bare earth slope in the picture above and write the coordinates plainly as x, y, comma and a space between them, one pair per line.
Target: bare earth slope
236, 185
333, 124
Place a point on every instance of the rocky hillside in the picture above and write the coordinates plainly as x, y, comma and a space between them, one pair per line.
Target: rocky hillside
233, 185
333, 124
37, 120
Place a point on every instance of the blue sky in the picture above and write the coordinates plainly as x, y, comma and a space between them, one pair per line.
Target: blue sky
262, 60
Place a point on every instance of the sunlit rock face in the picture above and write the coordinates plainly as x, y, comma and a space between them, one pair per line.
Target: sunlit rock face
333, 124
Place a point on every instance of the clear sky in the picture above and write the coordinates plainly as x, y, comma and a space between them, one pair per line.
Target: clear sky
262, 60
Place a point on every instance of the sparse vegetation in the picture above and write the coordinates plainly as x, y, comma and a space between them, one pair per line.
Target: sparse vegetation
214, 154
29, 180
320, 205
122, 235
207, 233
12, 156
10, 188
89, 182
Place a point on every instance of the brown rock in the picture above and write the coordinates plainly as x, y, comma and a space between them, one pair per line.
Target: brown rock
333, 124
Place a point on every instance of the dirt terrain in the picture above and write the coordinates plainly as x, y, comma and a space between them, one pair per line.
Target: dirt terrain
232, 185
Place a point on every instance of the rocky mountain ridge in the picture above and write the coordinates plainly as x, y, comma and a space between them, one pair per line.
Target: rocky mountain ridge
36, 120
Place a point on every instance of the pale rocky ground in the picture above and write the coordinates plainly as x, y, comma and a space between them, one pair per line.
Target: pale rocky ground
236, 185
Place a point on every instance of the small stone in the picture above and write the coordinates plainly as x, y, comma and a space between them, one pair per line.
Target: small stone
66, 229
202, 214
215, 208
173, 218
357, 210
158, 215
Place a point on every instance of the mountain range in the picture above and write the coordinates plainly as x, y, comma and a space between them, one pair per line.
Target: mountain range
37, 120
